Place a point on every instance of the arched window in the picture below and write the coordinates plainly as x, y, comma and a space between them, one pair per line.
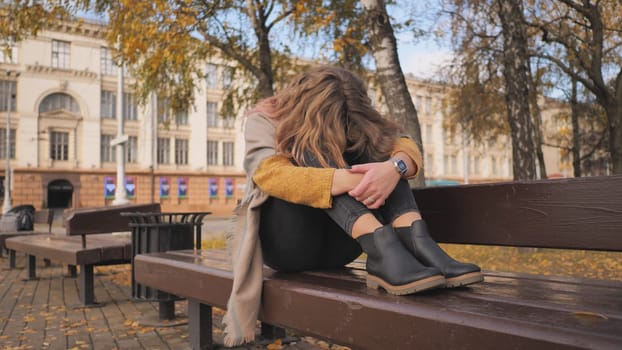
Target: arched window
59, 101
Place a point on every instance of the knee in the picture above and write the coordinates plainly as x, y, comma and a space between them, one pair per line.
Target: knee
406, 219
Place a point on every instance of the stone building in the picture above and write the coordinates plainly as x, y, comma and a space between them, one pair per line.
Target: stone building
63, 123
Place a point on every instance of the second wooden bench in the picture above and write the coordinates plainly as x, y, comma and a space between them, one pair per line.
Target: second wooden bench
73, 248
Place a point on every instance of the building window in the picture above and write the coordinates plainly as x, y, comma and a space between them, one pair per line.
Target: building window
163, 150
181, 151
476, 165
59, 145
130, 108
493, 165
162, 110
108, 106
7, 87
59, 101
454, 164
227, 153
428, 132
228, 122
107, 66
212, 114
212, 152
11, 57
227, 77
3, 143
418, 103
428, 104
131, 151
61, 54
181, 118
107, 151
211, 76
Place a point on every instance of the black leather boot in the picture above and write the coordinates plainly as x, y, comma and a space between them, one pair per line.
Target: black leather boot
418, 241
392, 267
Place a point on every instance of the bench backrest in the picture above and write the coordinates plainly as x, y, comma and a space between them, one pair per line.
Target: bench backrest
577, 213
82, 221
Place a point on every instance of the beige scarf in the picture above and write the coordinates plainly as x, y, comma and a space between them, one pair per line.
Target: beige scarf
247, 261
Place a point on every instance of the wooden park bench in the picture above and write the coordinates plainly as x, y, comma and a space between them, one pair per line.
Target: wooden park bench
73, 247
507, 310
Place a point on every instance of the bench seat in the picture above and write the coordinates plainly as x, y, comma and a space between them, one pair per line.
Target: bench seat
69, 249
517, 310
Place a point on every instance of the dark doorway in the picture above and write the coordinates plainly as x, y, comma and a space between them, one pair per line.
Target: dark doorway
60, 193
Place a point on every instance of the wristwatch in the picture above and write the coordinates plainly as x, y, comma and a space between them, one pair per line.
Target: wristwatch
400, 166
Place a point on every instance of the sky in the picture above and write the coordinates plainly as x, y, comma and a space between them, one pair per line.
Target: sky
422, 59
421, 56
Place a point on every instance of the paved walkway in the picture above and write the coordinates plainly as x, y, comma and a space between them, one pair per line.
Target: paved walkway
42, 314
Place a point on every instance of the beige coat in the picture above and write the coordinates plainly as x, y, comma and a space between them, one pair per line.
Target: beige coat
247, 261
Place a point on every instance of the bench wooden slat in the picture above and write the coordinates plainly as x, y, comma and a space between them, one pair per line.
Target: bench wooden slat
60, 250
578, 213
511, 309
104, 219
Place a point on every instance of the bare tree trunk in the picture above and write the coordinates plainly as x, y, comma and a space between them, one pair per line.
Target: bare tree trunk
515, 62
389, 72
614, 113
265, 77
574, 116
537, 127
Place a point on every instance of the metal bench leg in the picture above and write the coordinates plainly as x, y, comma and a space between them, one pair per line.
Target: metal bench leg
87, 296
199, 325
166, 310
11, 259
31, 263
72, 270
271, 332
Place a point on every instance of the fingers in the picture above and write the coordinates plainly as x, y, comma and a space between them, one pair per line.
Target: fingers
360, 190
359, 169
372, 201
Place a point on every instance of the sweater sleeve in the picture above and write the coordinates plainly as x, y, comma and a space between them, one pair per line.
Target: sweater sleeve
408, 146
309, 186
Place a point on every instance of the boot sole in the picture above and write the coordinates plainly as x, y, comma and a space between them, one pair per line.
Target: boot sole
374, 282
463, 280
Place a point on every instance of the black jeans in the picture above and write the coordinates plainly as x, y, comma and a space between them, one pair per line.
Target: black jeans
296, 237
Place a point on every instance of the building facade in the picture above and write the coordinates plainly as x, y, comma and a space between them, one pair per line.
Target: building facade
63, 124
63, 127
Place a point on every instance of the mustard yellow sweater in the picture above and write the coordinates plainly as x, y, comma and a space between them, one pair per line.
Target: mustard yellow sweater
278, 177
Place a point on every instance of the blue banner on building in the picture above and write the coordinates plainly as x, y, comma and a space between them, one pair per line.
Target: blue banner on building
165, 187
229, 187
213, 187
130, 186
109, 187
182, 187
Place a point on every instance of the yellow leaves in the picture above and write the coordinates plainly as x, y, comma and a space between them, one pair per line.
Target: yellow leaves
574, 263
276, 345
135, 328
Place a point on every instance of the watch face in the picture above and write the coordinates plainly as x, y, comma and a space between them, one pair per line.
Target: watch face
401, 166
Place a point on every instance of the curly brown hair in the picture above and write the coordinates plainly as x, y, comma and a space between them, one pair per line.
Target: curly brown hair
326, 112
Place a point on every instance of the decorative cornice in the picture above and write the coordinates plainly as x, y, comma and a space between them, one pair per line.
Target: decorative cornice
80, 27
39, 69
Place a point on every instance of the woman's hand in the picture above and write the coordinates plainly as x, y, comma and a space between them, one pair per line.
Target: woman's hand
379, 180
